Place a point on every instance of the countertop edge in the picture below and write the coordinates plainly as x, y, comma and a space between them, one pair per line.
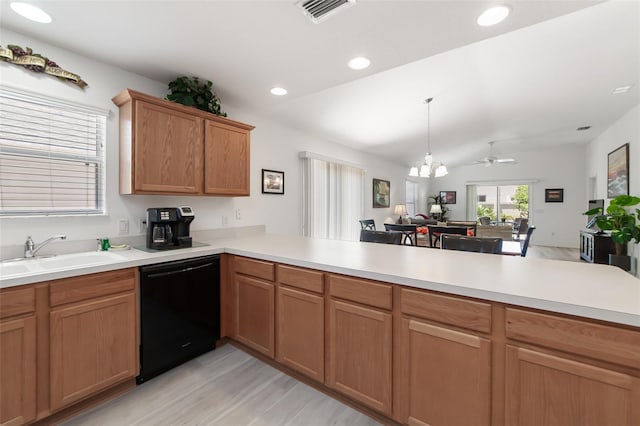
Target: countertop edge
138, 258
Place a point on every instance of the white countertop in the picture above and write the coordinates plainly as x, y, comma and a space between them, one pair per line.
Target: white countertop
589, 290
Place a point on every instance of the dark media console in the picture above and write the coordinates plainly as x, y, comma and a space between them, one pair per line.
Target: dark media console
596, 247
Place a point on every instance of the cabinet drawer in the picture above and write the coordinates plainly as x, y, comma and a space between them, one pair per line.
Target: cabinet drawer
616, 345
448, 310
301, 278
360, 290
17, 301
254, 268
85, 287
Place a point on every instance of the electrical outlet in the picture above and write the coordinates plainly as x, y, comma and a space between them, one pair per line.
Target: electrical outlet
123, 227
142, 225
225, 222
238, 217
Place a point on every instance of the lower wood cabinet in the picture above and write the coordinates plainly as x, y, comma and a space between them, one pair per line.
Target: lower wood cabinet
359, 352
446, 376
93, 345
300, 334
254, 313
17, 371
425, 358
550, 390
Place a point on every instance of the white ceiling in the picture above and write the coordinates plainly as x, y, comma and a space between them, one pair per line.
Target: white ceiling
529, 81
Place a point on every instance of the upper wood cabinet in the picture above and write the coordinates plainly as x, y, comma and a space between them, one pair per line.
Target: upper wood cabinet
226, 159
168, 148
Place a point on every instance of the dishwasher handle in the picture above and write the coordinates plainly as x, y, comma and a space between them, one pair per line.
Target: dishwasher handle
179, 271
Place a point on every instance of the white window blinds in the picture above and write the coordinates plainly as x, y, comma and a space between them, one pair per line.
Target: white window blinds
333, 199
51, 156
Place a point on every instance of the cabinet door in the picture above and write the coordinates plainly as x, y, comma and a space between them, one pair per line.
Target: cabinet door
548, 390
301, 332
17, 371
254, 310
226, 152
360, 354
447, 376
93, 345
167, 151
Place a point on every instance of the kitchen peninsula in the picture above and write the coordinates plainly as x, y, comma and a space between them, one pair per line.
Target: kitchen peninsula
434, 325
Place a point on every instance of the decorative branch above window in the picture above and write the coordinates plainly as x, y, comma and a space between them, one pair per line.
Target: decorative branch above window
37, 63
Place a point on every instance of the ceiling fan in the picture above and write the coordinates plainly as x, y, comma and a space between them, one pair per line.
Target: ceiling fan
491, 159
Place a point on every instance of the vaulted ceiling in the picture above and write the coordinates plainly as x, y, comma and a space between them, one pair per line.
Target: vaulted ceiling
526, 83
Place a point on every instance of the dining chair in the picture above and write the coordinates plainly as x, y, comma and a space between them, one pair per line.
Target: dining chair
435, 232
386, 237
525, 244
473, 226
410, 232
368, 224
523, 227
474, 244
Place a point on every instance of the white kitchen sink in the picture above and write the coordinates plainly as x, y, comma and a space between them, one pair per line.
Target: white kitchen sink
78, 259
56, 263
13, 268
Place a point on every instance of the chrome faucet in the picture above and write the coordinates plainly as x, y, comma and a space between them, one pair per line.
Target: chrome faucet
30, 248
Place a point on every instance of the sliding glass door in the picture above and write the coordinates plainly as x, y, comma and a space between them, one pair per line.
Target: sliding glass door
502, 203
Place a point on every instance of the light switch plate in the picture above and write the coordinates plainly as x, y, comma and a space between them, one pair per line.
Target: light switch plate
123, 227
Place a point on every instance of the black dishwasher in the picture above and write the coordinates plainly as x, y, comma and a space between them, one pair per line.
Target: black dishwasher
179, 313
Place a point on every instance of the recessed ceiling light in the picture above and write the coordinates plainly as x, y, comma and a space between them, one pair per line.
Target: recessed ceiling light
493, 16
583, 128
621, 89
359, 63
31, 12
278, 91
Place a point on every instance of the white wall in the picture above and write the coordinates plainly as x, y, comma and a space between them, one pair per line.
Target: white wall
625, 130
273, 146
557, 224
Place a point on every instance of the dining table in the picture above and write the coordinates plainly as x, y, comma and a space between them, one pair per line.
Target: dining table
512, 248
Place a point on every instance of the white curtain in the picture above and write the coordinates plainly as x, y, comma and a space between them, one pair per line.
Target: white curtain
472, 202
333, 199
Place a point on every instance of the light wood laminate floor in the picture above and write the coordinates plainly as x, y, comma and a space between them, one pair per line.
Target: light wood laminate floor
223, 387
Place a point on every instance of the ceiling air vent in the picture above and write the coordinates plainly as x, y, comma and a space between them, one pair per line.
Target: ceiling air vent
319, 10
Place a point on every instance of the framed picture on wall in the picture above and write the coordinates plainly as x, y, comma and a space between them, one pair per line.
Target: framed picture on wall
554, 195
618, 172
381, 193
272, 182
448, 197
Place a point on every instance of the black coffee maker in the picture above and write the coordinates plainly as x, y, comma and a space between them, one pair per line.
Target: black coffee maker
168, 227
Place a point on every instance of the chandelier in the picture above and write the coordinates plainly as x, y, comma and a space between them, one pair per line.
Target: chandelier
429, 167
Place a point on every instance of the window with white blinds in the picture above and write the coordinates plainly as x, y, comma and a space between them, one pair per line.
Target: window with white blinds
333, 199
51, 156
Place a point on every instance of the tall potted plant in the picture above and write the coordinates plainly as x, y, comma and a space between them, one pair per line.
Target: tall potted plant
437, 199
621, 221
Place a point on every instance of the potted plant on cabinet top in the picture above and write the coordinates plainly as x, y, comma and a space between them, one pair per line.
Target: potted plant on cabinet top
622, 223
190, 92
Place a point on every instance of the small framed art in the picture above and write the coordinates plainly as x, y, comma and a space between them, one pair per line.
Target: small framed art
272, 182
448, 197
554, 195
618, 172
381, 193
